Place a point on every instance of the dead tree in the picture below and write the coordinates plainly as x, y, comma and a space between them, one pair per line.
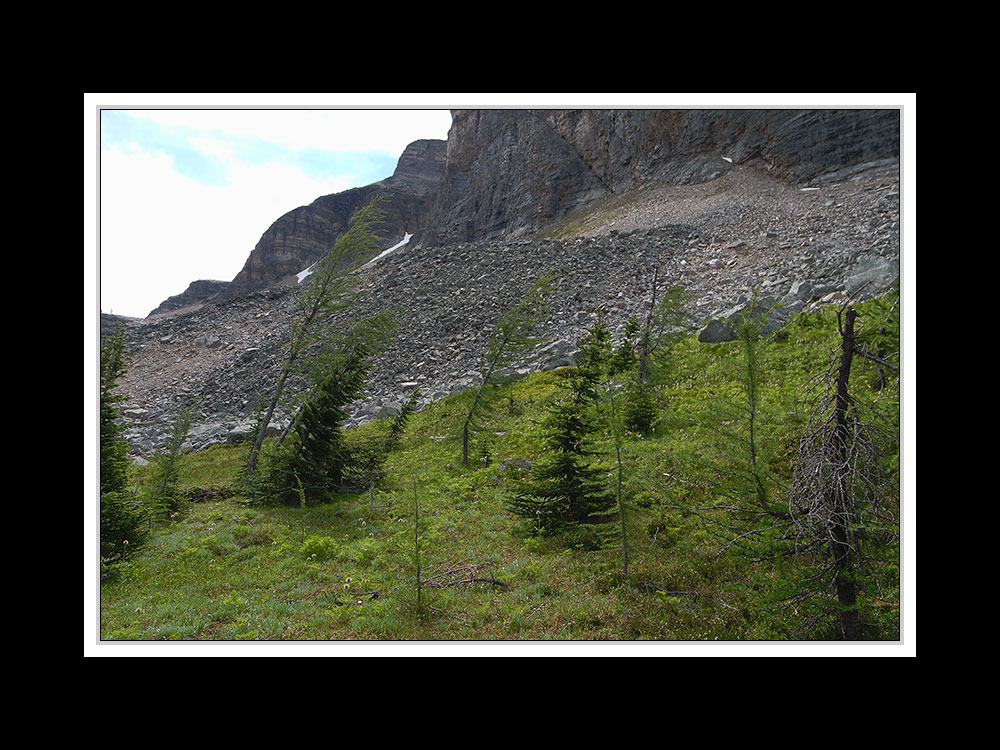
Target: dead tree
839, 491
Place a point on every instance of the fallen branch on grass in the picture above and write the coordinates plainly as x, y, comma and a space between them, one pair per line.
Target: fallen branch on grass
462, 574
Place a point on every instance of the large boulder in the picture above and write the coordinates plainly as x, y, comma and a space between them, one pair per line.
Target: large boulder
871, 275
559, 353
764, 312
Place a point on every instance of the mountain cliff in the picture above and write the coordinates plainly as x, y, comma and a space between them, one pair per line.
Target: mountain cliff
511, 172
302, 236
802, 205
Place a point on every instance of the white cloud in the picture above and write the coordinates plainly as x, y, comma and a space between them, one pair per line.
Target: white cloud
161, 230
356, 130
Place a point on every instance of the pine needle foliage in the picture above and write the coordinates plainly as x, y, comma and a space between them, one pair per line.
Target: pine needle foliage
122, 517
748, 514
329, 288
565, 489
667, 322
165, 496
369, 454
514, 335
114, 450
312, 463
123, 527
645, 354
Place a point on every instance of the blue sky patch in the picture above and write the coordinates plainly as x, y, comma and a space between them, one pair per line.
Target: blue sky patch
133, 133
119, 128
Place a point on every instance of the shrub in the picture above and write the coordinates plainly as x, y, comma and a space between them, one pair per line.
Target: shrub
316, 548
245, 535
640, 408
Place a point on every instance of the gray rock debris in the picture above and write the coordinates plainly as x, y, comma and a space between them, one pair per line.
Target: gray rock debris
798, 248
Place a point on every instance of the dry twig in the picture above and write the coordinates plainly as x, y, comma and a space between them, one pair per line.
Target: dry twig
458, 575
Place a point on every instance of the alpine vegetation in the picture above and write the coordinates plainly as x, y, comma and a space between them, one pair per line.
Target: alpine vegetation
514, 335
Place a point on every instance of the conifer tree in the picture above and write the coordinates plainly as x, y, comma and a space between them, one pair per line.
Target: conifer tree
565, 489
165, 495
744, 471
748, 513
644, 353
328, 289
842, 500
838, 507
315, 458
513, 336
666, 323
122, 527
617, 427
368, 456
114, 468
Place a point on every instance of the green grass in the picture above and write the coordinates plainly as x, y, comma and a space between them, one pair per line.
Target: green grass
224, 570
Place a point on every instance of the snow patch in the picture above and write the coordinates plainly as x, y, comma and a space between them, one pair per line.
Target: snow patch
301, 275
406, 238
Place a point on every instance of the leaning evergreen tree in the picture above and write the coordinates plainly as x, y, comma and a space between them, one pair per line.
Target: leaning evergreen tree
122, 527
565, 490
329, 289
312, 461
513, 336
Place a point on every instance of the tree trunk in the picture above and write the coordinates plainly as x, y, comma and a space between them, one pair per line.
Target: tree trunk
839, 502
643, 368
252, 461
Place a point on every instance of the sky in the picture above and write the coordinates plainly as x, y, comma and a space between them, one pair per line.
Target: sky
185, 193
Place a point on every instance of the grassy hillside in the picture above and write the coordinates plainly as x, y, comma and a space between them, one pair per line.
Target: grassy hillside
223, 569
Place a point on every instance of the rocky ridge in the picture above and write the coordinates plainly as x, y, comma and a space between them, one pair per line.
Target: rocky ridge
197, 292
509, 173
300, 237
800, 244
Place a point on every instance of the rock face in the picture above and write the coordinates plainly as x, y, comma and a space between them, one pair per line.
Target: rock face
720, 240
302, 236
511, 172
197, 292
507, 172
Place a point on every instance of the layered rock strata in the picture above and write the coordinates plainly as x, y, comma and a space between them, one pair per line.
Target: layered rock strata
509, 173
